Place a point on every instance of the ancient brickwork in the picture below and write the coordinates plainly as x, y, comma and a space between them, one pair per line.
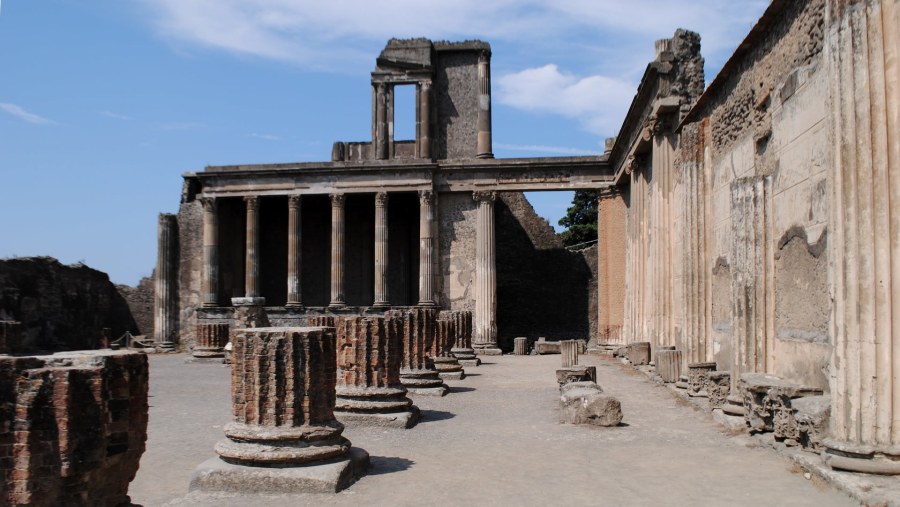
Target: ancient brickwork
211, 338
140, 302
61, 307
283, 397
73, 427
415, 328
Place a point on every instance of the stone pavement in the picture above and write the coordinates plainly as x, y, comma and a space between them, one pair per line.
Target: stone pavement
494, 440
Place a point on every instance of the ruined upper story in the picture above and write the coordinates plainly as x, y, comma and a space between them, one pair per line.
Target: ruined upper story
453, 102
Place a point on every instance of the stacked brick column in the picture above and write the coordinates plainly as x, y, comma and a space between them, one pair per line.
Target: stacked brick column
73, 427
415, 327
211, 339
369, 391
445, 338
462, 348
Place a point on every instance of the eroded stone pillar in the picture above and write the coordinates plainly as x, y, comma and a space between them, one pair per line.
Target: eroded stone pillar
416, 329
568, 350
369, 391
520, 346
283, 437
165, 288
424, 137
381, 250
337, 251
210, 276
484, 148
426, 248
668, 365
381, 121
862, 46
485, 334
294, 288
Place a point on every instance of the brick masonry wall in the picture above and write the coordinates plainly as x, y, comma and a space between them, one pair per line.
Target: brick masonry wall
72, 427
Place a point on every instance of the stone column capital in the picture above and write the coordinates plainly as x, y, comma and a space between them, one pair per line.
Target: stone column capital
252, 202
337, 199
210, 204
426, 197
381, 199
294, 201
484, 196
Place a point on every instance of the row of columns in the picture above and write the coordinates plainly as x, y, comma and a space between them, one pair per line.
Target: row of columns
486, 283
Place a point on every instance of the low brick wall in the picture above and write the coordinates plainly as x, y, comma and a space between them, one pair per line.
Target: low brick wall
73, 427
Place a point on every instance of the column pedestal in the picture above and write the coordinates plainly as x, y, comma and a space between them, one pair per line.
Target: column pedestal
415, 328
447, 365
462, 349
211, 339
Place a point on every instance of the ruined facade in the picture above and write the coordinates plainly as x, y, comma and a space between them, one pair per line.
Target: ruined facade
387, 224
762, 218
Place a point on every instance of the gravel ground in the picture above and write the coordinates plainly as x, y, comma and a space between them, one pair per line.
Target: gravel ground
494, 440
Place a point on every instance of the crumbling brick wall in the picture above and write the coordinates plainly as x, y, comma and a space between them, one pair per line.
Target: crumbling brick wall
140, 302
73, 427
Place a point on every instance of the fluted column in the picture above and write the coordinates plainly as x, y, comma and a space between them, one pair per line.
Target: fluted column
484, 149
251, 270
862, 46
424, 136
164, 310
337, 251
485, 336
426, 248
210, 277
381, 250
294, 291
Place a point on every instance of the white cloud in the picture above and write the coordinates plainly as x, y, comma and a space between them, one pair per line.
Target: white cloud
598, 102
24, 115
116, 116
267, 137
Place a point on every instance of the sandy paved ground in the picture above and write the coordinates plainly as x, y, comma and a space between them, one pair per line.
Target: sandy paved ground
494, 440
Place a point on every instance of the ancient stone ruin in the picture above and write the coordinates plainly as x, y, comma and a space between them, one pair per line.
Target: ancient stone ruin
73, 427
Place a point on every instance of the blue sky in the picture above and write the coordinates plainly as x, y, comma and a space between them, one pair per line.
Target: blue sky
105, 103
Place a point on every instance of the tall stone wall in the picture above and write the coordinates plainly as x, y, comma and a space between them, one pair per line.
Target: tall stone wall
140, 302
61, 307
190, 268
456, 247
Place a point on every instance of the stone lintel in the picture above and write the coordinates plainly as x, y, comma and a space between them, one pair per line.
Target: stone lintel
248, 301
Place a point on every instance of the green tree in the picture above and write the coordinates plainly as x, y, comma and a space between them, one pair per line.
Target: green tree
581, 219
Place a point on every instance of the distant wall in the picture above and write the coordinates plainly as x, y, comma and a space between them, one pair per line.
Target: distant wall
140, 301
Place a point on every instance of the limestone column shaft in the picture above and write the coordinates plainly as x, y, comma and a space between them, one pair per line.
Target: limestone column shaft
381, 122
337, 250
381, 250
166, 293
424, 136
426, 248
294, 287
210, 273
484, 146
862, 48
485, 336
251, 276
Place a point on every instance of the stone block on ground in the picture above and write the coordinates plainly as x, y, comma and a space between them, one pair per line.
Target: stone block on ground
542, 346
586, 403
571, 374
768, 400
668, 365
697, 373
520, 346
638, 353
718, 385
811, 414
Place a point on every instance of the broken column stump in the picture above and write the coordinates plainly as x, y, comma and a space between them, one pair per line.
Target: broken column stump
668, 365
639, 353
73, 427
576, 374
682, 382
283, 437
697, 378
462, 349
568, 349
211, 340
369, 392
10, 337
585, 403
445, 362
520, 346
415, 329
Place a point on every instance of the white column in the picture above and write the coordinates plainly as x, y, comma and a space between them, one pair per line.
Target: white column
381, 250
484, 339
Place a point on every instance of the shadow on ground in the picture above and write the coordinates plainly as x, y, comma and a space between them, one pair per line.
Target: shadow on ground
381, 465
435, 415
458, 389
